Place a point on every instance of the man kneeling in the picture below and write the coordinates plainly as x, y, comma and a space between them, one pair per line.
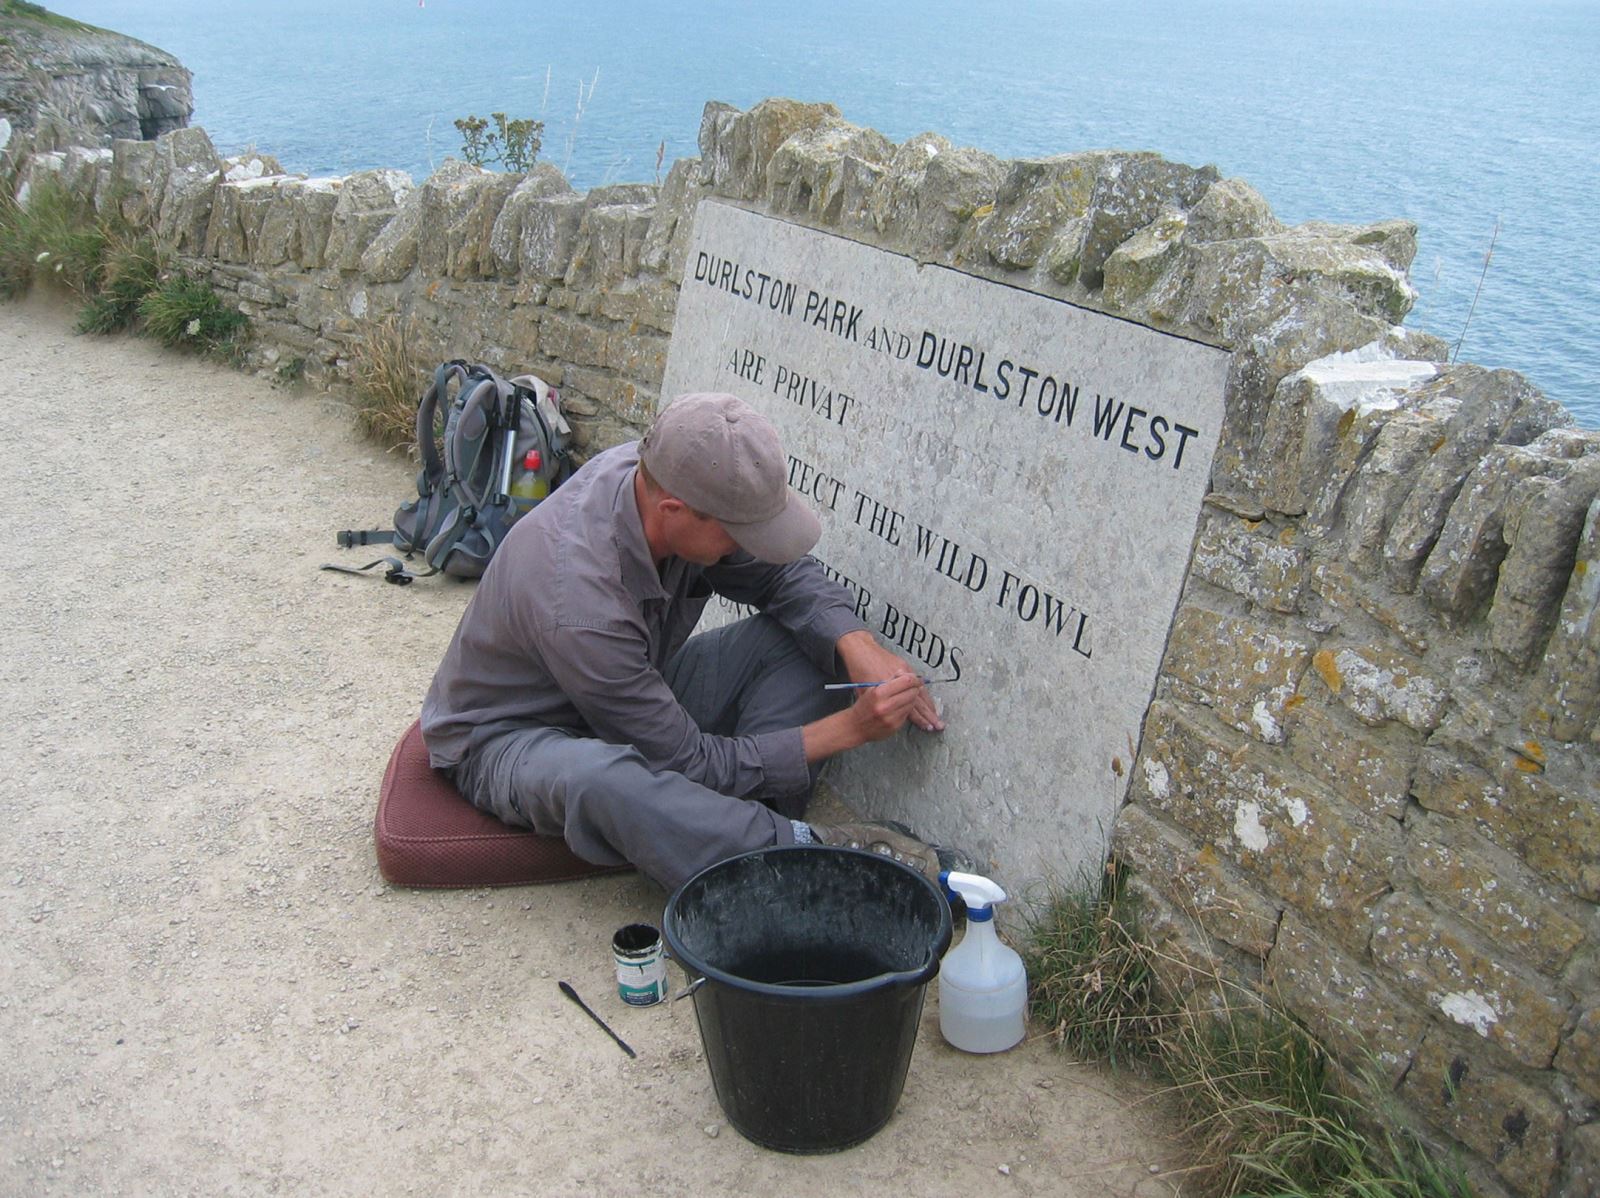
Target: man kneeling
573, 701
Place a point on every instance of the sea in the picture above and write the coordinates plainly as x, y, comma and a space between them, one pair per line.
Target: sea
1477, 119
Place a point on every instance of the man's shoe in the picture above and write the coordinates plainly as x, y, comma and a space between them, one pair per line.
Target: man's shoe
895, 841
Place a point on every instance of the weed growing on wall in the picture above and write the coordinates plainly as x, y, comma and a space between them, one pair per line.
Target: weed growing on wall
186, 312
53, 235
514, 144
390, 371
1268, 1113
131, 269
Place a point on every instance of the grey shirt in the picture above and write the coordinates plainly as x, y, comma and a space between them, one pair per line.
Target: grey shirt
572, 624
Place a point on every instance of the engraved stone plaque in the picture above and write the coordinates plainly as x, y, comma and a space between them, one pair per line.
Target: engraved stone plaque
1010, 487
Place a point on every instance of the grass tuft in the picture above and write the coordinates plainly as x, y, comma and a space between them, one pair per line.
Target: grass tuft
391, 370
1269, 1115
1093, 983
187, 312
54, 235
132, 269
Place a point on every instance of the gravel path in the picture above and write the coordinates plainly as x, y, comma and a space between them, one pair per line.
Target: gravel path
205, 985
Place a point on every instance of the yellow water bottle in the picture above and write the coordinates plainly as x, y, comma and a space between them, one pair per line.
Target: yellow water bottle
530, 486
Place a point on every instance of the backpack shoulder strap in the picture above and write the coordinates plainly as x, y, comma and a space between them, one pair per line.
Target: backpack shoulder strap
427, 413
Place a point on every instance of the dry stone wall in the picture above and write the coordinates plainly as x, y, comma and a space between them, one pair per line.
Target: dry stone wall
1368, 780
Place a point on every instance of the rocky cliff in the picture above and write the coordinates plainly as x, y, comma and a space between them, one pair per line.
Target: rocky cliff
67, 83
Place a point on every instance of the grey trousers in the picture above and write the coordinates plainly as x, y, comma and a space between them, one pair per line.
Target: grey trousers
740, 679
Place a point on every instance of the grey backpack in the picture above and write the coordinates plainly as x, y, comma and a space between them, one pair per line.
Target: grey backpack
505, 446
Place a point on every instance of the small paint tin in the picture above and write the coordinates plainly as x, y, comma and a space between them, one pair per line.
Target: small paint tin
641, 964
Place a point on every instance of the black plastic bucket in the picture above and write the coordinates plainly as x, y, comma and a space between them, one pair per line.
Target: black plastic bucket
814, 962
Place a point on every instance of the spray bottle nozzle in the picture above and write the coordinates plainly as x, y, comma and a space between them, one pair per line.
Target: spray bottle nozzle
979, 893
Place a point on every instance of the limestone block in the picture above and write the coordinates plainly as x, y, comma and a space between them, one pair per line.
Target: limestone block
238, 168
133, 166
1035, 197
1579, 1057
1513, 909
1297, 840
1243, 670
457, 205
1466, 981
1230, 210
1197, 882
237, 216
1463, 1090
1556, 830
1248, 557
1128, 194
1371, 767
505, 239
574, 341
1582, 1177
1138, 262
36, 167
1343, 595
1567, 701
858, 183
1316, 408
736, 147
807, 175
367, 202
640, 356
1395, 241
1382, 479
1064, 255
81, 169
311, 204
1544, 530
187, 172
930, 193
1378, 684
614, 194
424, 215
609, 242
1344, 1003
666, 245
1231, 289
1492, 406
1281, 328
550, 234
1460, 572
648, 305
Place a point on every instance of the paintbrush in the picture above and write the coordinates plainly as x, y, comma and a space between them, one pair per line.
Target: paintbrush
861, 686
605, 1027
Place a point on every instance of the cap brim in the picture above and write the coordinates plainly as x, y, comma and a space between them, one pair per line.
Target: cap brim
787, 537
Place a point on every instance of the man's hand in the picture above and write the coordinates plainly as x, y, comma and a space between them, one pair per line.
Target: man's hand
865, 660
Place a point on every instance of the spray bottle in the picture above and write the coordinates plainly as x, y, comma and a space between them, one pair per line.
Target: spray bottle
983, 988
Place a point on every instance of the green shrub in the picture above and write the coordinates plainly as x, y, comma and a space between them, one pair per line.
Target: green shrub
131, 270
55, 234
183, 311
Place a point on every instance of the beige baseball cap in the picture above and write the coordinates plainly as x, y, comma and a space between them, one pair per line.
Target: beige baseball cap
722, 457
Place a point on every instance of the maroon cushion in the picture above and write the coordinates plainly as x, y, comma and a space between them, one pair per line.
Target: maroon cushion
428, 835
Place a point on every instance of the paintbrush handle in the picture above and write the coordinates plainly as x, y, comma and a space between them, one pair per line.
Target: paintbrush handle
861, 686
605, 1027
